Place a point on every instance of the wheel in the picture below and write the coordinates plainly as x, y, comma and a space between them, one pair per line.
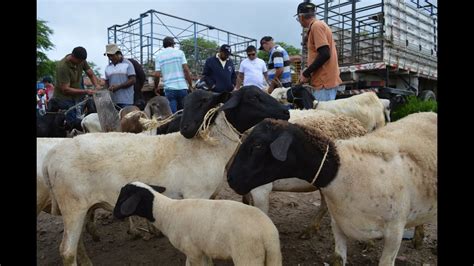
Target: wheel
427, 95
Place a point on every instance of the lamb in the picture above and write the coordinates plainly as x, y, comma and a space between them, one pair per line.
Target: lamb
374, 185
95, 166
371, 111
205, 229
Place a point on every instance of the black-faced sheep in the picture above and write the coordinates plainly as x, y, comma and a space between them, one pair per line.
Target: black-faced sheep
374, 185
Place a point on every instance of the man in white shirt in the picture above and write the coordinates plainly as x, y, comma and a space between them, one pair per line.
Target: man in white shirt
252, 70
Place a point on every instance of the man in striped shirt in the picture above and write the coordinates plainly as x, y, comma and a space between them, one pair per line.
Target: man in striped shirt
279, 72
172, 65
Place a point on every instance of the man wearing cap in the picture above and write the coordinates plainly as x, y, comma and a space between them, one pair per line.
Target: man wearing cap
171, 64
119, 76
323, 68
219, 73
279, 71
68, 90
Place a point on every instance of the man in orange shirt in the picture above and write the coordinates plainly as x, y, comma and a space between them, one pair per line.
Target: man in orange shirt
323, 69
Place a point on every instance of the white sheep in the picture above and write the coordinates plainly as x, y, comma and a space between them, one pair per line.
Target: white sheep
374, 185
93, 167
205, 229
371, 111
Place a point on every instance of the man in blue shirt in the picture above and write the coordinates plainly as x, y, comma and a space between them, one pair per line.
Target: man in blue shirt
219, 73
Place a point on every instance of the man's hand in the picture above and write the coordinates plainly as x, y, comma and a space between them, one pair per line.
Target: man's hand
113, 88
90, 92
302, 78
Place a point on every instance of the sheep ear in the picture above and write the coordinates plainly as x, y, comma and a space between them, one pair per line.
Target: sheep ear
130, 205
158, 188
233, 101
280, 145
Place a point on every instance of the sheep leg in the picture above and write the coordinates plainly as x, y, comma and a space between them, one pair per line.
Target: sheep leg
261, 197
419, 236
340, 241
198, 261
310, 231
392, 239
73, 223
82, 257
91, 226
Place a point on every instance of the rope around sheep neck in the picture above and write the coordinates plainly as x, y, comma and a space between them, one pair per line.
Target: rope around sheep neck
321, 165
204, 131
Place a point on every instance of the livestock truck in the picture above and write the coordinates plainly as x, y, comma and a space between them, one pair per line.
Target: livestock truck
386, 46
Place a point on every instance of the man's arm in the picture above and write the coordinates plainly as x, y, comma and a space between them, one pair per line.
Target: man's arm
323, 57
130, 81
233, 77
240, 78
187, 76
206, 75
93, 78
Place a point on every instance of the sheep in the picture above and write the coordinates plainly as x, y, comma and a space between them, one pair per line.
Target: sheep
374, 185
95, 166
332, 126
371, 111
158, 107
205, 229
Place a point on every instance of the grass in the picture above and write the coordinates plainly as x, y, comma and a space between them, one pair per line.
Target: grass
413, 105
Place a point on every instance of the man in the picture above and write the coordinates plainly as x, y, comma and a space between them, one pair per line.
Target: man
172, 65
252, 70
119, 76
279, 72
323, 69
49, 87
68, 77
219, 73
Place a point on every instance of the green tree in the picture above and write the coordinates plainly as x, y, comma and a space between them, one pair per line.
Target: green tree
206, 49
289, 48
44, 66
95, 69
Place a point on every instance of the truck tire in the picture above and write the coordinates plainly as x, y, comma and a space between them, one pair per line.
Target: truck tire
427, 95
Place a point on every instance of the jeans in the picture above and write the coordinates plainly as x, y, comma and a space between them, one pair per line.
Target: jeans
176, 97
325, 94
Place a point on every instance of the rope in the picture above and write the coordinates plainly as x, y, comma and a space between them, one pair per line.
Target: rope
321, 165
204, 131
68, 110
149, 124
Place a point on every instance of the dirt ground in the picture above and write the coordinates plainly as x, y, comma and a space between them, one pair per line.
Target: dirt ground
291, 213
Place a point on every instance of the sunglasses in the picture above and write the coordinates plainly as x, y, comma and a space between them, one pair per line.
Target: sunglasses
253, 54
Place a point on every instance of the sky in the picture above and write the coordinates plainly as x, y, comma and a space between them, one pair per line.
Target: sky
85, 22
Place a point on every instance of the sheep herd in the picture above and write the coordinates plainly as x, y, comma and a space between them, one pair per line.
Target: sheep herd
375, 179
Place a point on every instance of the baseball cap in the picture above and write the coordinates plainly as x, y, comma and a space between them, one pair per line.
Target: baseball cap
168, 41
79, 53
226, 49
263, 40
111, 48
305, 8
